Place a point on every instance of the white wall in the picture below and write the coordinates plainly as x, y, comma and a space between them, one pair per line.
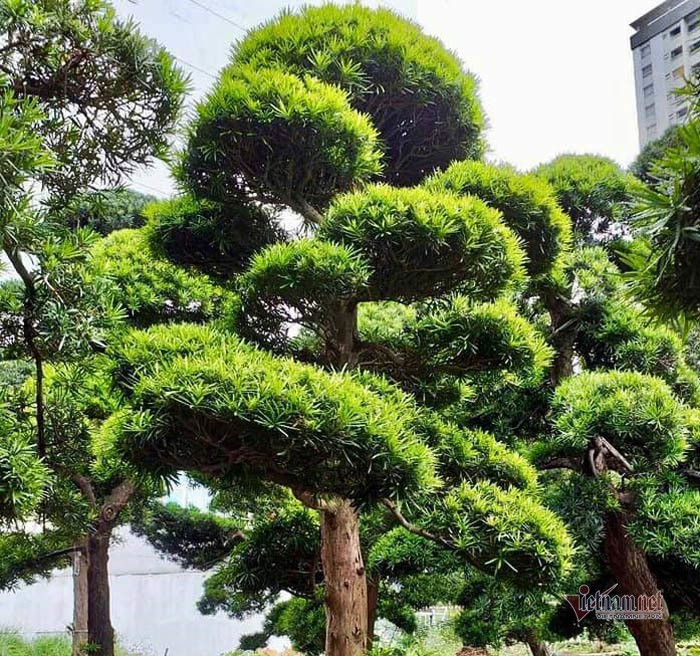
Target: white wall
153, 606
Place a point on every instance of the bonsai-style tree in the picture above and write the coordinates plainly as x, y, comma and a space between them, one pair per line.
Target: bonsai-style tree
86, 98
605, 330
313, 401
591, 324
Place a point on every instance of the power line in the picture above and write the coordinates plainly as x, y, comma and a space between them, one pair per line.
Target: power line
218, 15
195, 68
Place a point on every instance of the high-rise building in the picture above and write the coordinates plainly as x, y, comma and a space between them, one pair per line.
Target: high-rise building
666, 51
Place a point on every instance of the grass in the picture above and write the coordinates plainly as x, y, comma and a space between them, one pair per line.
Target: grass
13, 644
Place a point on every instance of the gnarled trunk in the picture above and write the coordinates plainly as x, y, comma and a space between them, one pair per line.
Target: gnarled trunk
100, 631
634, 577
345, 581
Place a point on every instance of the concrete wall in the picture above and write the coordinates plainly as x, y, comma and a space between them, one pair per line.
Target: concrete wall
153, 606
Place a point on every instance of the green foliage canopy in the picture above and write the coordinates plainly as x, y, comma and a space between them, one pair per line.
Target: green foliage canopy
593, 190
416, 93
420, 243
267, 416
110, 96
287, 140
527, 204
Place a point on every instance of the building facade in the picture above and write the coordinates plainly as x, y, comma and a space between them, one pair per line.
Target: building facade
666, 52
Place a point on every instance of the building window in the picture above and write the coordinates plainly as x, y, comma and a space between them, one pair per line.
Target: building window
650, 112
681, 113
693, 26
694, 46
648, 90
646, 51
646, 71
676, 52
675, 31
678, 73
696, 69
651, 131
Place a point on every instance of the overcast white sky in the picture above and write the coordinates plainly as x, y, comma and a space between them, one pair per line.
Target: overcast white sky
556, 75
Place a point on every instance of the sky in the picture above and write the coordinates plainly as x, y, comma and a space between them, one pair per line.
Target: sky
555, 75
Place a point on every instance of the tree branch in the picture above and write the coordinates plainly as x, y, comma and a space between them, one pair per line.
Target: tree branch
85, 488
120, 496
416, 530
30, 335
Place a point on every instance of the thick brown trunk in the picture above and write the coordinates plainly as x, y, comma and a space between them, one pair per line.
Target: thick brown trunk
634, 577
372, 598
100, 631
345, 581
537, 647
80, 599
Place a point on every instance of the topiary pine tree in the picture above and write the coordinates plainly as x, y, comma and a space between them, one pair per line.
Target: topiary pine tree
643, 167
591, 323
607, 331
336, 429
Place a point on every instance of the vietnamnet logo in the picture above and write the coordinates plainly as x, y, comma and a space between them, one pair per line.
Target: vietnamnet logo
607, 606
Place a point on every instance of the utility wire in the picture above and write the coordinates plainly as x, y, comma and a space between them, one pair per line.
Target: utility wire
201, 5
195, 68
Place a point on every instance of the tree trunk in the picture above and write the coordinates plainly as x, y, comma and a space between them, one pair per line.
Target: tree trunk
100, 631
345, 582
372, 597
563, 362
80, 599
634, 577
563, 339
537, 647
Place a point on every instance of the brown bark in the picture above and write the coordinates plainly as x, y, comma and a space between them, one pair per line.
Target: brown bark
372, 598
537, 647
634, 577
342, 335
345, 581
91, 601
100, 631
80, 597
